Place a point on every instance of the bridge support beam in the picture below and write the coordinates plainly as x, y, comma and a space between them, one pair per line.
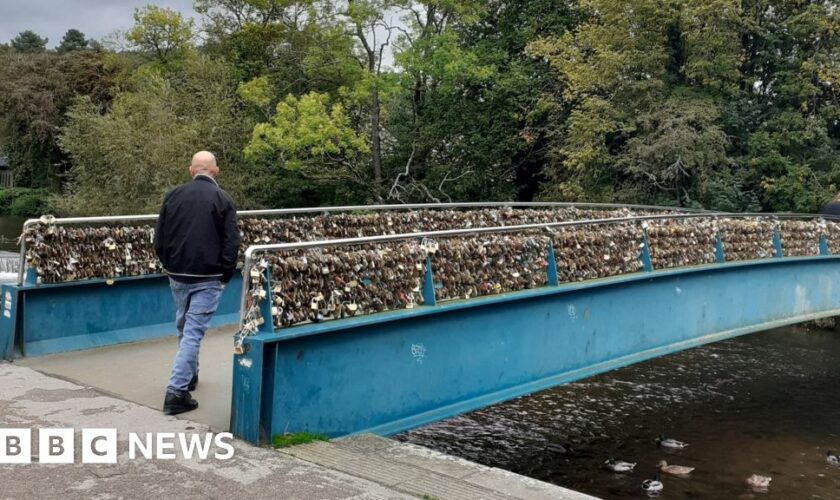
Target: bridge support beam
47, 319
394, 371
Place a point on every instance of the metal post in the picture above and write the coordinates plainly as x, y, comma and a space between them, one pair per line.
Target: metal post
267, 304
720, 256
552, 265
645, 256
22, 269
824, 245
777, 243
428, 291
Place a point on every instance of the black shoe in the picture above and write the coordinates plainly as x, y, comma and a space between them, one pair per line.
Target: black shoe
176, 403
193, 382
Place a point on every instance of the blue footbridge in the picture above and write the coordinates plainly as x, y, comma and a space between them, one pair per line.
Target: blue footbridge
452, 352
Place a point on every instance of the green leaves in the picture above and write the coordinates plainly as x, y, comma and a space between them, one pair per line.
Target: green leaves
29, 42
73, 40
714, 102
309, 132
127, 156
161, 33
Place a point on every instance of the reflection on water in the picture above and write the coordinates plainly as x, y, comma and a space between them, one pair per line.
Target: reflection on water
764, 404
10, 229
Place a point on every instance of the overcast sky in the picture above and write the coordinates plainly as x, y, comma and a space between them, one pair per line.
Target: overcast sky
95, 18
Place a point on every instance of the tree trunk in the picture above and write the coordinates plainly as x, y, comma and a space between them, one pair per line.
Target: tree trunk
376, 143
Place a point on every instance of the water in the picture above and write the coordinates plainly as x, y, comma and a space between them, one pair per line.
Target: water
765, 404
10, 228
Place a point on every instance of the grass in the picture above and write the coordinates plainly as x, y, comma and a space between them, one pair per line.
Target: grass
286, 440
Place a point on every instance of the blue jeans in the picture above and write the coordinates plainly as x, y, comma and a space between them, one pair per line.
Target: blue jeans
195, 304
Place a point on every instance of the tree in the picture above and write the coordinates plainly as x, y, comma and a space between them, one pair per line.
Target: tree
28, 41
312, 135
718, 103
36, 90
72, 40
126, 156
160, 33
365, 18
469, 126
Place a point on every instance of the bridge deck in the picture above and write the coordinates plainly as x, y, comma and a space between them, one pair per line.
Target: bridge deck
138, 372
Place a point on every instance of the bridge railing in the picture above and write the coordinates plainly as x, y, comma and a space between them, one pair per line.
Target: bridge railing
150, 218
99, 282
544, 254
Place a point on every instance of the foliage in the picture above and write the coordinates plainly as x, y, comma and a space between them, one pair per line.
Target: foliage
310, 134
127, 156
696, 102
23, 202
35, 93
28, 42
467, 122
72, 40
160, 33
724, 104
29, 205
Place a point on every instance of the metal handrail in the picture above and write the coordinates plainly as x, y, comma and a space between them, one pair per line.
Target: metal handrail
343, 208
255, 249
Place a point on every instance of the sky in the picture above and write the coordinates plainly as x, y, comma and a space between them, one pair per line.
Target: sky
95, 18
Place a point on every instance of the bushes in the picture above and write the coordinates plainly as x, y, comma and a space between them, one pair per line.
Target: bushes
24, 202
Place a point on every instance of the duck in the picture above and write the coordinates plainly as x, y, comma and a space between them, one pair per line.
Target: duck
653, 485
759, 482
561, 449
832, 459
670, 443
618, 465
674, 470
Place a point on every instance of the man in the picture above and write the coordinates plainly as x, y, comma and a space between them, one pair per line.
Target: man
197, 241
832, 208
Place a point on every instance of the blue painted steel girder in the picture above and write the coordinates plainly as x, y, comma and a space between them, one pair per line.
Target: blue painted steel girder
46, 319
394, 371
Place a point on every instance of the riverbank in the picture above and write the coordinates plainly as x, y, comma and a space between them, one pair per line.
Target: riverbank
363, 467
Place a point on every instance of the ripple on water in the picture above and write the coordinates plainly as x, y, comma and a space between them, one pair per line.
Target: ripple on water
763, 403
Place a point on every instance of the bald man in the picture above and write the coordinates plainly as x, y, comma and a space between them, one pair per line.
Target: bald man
197, 241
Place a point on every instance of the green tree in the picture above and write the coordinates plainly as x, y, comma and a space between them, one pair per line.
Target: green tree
161, 33
127, 156
470, 120
36, 90
28, 41
312, 135
364, 19
718, 103
72, 40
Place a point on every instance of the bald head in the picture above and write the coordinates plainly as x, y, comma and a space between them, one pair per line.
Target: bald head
204, 163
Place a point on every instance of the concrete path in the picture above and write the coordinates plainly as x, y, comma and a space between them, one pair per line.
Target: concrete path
363, 467
426, 473
139, 371
32, 400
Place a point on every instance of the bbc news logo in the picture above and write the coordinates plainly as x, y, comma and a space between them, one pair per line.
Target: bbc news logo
99, 446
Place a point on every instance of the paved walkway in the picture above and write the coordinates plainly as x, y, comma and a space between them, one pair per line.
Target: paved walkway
364, 467
139, 371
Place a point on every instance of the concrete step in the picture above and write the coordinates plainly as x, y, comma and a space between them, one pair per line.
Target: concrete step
425, 473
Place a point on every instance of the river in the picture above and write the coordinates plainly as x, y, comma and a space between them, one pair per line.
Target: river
764, 404
10, 228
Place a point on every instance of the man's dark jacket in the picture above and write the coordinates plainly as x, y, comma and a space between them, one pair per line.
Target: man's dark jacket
196, 237
831, 209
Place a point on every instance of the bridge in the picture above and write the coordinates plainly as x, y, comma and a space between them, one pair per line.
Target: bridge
385, 372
